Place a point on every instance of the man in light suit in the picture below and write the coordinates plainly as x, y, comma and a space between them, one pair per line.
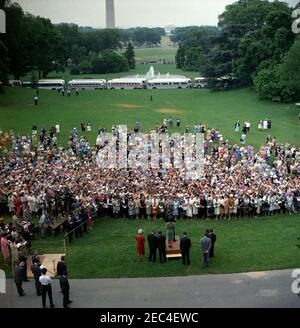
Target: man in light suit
205, 245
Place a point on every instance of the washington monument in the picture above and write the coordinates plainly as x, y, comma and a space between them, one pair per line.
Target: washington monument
110, 14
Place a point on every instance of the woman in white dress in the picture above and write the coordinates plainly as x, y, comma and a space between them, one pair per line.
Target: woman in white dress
265, 125
235, 206
289, 204
216, 208
189, 208
260, 125
195, 208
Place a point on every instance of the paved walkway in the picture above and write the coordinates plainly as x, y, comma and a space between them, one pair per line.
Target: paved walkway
258, 289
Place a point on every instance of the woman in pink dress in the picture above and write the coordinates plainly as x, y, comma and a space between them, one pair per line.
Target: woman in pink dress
5, 249
140, 239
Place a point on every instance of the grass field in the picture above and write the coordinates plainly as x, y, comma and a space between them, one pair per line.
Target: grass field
243, 245
153, 54
107, 107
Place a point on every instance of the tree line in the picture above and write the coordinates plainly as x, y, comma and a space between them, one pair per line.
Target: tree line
33, 43
253, 46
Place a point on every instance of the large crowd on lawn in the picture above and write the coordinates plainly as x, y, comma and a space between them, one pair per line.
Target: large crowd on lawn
38, 177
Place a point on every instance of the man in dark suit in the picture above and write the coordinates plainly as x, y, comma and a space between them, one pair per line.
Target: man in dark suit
61, 268
19, 278
23, 258
35, 269
185, 245
162, 247
65, 287
213, 238
153, 243
35, 258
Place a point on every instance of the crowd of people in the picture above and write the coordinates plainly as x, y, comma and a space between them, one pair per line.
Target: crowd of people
236, 182
38, 177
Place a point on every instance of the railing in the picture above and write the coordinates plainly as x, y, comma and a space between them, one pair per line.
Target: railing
67, 236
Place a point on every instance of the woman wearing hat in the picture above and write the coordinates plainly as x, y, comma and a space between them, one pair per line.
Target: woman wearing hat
140, 239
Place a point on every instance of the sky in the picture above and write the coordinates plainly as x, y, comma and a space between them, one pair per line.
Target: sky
130, 13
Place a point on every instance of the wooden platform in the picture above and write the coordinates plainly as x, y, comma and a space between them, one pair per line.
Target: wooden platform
174, 251
48, 261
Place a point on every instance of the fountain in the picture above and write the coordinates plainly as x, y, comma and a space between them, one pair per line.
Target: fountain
151, 73
154, 80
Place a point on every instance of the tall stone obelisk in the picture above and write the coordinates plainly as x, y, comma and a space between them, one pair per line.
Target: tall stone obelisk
110, 14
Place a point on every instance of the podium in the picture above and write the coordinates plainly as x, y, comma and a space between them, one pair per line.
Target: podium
174, 251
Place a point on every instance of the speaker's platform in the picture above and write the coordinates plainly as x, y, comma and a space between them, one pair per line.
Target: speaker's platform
48, 261
174, 251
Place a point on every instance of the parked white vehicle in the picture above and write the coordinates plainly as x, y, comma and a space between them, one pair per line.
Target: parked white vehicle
85, 84
15, 83
169, 83
127, 83
51, 84
200, 82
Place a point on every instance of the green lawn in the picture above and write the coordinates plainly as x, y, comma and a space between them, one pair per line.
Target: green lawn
243, 245
153, 54
107, 107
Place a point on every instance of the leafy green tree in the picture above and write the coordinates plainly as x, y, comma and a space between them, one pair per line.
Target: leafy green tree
74, 69
253, 32
3, 64
130, 56
15, 40
266, 83
194, 59
180, 57
290, 71
78, 54
48, 47
72, 36
146, 36
109, 61
85, 66
100, 40
194, 43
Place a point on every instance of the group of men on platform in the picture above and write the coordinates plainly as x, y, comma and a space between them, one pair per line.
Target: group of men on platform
157, 242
